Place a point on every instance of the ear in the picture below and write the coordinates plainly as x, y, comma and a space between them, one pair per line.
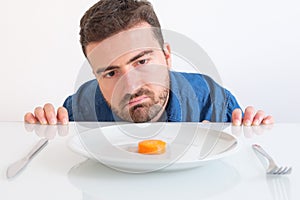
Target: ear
167, 52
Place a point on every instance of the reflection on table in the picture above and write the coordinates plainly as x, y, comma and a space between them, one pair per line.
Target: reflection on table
58, 173
96, 181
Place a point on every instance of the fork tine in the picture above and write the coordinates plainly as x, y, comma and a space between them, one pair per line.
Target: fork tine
282, 170
286, 170
289, 170
273, 171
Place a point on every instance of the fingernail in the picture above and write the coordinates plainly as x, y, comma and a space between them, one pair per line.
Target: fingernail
53, 121
266, 121
44, 122
65, 121
247, 123
256, 123
236, 122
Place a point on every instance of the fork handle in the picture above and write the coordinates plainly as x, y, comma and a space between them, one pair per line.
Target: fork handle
260, 150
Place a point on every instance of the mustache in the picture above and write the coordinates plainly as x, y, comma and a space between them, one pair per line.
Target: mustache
143, 91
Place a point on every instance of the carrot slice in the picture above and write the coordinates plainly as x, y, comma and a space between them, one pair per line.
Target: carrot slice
152, 147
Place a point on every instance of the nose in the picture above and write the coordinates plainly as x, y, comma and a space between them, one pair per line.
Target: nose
131, 80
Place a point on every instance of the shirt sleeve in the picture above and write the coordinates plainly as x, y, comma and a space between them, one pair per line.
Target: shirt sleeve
231, 105
68, 105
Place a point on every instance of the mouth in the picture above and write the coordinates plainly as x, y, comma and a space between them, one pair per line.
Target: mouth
138, 100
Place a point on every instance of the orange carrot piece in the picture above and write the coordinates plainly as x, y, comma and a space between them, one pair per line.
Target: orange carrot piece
152, 147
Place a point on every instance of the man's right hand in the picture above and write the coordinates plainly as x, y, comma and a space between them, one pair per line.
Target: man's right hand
47, 115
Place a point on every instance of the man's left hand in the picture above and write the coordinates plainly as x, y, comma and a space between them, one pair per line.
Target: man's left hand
251, 117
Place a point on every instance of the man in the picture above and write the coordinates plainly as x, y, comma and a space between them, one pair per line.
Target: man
122, 41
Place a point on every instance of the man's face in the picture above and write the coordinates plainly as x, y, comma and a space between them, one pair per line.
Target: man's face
133, 73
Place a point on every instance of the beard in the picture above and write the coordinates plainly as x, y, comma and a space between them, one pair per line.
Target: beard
142, 112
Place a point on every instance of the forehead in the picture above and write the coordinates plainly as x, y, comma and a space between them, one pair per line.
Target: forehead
101, 54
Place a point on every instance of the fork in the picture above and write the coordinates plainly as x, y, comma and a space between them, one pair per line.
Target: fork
272, 169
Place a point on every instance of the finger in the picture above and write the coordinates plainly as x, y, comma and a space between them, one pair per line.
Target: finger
29, 127
247, 130
236, 117
50, 132
30, 118
50, 113
40, 130
268, 120
258, 130
236, 130
62, 115
40, 115
259, 116
205, 121
63, 130
248, 116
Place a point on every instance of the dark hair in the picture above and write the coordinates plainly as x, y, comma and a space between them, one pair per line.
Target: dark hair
109, 17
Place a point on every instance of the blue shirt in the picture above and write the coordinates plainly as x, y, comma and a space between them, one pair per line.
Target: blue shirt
193, 98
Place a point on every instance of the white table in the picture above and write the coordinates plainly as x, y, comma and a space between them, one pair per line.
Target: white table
58, 173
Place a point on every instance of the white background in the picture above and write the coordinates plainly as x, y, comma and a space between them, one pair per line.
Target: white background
255, 46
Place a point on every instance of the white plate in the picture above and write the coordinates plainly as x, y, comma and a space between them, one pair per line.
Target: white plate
188, 145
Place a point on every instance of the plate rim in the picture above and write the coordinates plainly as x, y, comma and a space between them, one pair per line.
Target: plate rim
83, 152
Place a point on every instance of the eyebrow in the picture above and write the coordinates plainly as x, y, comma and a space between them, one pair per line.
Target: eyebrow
139, 55
130, 61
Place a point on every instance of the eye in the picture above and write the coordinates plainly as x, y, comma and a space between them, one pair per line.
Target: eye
109, 74
141, 62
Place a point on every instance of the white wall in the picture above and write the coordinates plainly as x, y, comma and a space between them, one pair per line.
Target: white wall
255, 46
